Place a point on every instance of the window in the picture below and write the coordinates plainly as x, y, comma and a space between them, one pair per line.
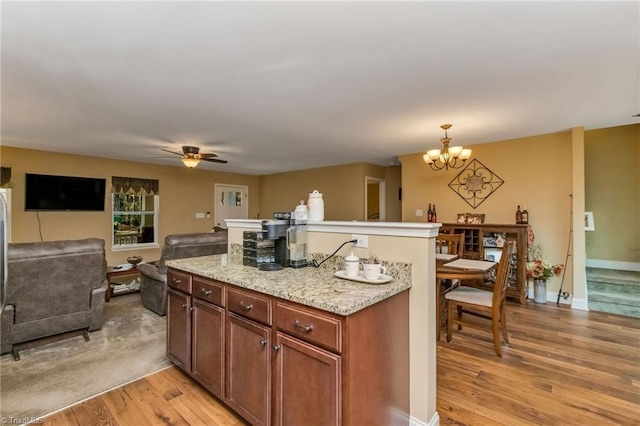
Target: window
134, 203
135, 220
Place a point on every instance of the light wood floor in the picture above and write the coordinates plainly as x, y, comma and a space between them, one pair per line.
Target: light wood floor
562, 367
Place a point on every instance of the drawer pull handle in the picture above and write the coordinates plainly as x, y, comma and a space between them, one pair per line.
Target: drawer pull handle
184, 306
307, 328
276, 348
245, 306
205, 292
176, 281
191, 309
263, 343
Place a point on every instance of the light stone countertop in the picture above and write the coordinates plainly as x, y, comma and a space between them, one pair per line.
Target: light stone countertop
316, 287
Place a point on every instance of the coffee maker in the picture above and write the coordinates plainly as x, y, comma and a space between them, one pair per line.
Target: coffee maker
290, 241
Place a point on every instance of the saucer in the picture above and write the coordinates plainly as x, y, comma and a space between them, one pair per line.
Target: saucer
360, 278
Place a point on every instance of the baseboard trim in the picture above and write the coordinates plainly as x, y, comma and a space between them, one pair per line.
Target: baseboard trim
435, 421
581, 304
613, 264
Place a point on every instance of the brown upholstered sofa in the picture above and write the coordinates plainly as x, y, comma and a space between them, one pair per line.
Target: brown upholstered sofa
52, 288
153, 283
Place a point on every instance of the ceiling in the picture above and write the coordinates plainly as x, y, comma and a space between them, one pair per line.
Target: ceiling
281, 86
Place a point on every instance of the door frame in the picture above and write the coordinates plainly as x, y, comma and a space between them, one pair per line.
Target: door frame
382, 197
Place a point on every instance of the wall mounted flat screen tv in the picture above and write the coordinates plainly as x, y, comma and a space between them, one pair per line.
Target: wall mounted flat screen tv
64, 193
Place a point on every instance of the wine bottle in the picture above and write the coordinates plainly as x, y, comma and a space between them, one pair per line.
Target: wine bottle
525, 215
434, 215
429, 214
518, 215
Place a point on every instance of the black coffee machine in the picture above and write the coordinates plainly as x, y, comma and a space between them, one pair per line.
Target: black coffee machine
290, 241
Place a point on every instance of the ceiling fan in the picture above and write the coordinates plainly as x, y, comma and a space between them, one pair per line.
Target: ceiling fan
191, 156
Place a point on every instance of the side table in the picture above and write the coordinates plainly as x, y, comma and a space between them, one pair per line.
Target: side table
116, 271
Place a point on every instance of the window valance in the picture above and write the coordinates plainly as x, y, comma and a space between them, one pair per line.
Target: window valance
128, 185
5, 176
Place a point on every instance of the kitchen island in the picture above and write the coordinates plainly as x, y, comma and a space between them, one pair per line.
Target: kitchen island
296, 346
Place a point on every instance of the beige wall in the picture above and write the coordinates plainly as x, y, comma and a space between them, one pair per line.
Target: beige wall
536, 172
342, 188
612, 185
183, 192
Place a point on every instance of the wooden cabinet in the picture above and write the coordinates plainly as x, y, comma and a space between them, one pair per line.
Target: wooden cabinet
289, 364
196, 329
249, 369
481, 243
308, 378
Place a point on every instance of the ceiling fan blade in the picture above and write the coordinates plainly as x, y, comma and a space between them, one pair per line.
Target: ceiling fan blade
203, 156
172, 152
214, 160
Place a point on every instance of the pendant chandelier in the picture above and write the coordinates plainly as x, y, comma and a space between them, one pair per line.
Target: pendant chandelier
448, 157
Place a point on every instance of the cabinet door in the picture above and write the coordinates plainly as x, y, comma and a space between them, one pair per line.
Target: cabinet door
307, 384
249, 369
207, 362
179, 329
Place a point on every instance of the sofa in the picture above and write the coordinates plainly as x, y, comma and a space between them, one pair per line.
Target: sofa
153, 276
52, 288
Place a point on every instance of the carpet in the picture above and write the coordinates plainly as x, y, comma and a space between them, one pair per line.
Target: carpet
130, 345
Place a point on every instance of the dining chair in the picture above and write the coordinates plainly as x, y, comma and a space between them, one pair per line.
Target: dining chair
450, 244
447, 244
481, 303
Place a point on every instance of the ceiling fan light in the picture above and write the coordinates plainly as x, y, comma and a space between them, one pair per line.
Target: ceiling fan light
466, 153
190, 162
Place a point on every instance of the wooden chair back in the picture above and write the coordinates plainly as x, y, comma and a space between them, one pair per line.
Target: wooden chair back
502, 276
450, 244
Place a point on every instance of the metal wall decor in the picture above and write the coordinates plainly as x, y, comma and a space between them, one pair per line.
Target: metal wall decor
475, 183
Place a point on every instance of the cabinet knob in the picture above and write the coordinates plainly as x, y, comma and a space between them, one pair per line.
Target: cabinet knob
306, 328
176, 281
205, 292
184, 306
245, 306
191, 309
263, 343
276, 348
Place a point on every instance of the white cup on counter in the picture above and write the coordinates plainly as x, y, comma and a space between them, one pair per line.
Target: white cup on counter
372, 271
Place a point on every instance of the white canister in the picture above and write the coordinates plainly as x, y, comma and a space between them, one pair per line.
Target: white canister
316, 206
351, 265
301, 212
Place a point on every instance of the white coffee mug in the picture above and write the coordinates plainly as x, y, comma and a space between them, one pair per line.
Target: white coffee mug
372, 271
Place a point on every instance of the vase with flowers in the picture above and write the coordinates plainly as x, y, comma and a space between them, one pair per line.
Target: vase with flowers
540, 270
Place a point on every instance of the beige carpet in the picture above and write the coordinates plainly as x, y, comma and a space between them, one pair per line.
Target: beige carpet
130, 345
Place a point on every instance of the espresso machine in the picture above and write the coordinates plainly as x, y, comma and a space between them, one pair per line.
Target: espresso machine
290, 241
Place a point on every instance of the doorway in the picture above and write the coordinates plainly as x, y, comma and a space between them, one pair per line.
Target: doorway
232, 202
375, 199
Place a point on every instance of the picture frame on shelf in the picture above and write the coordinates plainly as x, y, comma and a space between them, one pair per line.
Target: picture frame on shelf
475, 218
462, 218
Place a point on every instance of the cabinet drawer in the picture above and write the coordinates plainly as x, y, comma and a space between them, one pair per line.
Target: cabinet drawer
310, 326
209, 290
249, 305
179, 280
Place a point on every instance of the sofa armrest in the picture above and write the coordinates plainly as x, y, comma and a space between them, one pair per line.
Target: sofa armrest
152, 272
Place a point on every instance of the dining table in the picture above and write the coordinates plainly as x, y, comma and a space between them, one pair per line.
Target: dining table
450, 272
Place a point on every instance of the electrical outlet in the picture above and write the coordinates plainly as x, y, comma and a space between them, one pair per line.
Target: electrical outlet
362, 242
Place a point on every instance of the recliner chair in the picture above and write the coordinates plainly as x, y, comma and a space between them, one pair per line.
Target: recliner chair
52, 288
153, 277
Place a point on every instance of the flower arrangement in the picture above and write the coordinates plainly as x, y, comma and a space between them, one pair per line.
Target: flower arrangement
538, 268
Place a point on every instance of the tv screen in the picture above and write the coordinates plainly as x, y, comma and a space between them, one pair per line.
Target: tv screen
66, 193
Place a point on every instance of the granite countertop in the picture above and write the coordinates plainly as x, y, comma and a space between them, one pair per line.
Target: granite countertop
316, 287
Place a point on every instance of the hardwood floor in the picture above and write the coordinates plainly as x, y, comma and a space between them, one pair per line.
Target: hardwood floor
562, 367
